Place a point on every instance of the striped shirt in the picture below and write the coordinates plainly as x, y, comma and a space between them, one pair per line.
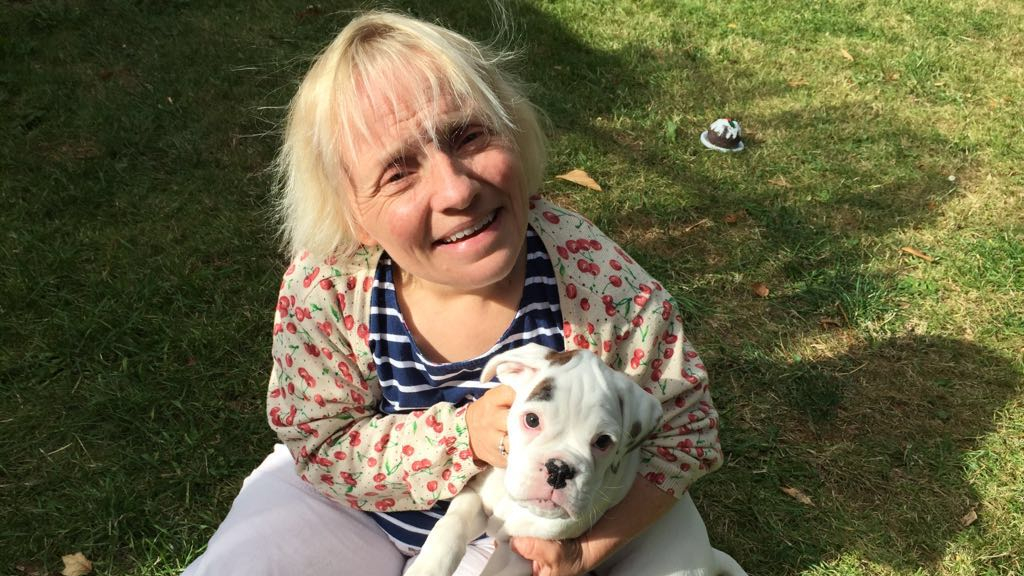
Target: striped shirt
411, 382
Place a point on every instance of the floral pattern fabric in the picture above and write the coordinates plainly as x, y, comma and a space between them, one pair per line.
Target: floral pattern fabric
323, 397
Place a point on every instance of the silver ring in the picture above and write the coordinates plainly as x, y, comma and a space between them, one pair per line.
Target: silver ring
501, 447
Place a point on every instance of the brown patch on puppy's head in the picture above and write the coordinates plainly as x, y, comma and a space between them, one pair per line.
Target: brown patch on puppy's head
543, 391
561, 358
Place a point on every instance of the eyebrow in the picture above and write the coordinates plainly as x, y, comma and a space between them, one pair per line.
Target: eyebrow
442, 131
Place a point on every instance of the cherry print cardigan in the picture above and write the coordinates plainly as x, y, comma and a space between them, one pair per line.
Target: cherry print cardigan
324, 394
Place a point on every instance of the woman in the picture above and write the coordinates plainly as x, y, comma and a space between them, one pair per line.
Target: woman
407, 168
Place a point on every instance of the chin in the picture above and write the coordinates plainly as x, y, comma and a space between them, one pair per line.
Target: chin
546, 509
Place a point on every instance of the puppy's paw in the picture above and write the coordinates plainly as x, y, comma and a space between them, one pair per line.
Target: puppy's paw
422, 568
427, 564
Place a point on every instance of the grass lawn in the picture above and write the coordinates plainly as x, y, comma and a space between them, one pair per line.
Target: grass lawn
139, 265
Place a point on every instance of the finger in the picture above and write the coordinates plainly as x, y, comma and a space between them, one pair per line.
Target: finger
501, 395
518, 545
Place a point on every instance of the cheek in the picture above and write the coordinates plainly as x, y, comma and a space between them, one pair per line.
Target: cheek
501, 168
388, 220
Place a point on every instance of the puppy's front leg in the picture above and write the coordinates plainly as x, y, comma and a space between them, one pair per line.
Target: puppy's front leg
505, 562
447, 541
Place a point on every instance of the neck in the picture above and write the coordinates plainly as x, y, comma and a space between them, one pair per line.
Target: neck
410, 287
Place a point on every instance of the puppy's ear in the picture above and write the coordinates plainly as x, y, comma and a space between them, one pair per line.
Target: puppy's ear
517, 367
642, 413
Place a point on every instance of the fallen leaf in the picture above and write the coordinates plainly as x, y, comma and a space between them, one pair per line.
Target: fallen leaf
732, 25
28, 569
797, 83
846, 54
916, 253
580, 177
308, 11
829, 323
76, 565
970, 518
799, 496
734, 217
760, 289
780, 181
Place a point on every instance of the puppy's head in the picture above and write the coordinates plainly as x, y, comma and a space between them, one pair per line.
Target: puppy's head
574, 432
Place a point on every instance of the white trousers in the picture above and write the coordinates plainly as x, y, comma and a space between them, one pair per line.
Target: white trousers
279, 525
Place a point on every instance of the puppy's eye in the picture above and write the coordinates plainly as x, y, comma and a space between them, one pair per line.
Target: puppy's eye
603, 442
531, 420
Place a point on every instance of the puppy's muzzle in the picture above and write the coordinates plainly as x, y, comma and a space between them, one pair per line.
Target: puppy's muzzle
558, 473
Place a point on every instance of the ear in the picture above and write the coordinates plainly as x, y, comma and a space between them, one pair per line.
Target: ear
362, 235
352, 215
517, 367
642, 413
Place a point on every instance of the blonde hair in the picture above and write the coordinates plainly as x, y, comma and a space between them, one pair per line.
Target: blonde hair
382, 51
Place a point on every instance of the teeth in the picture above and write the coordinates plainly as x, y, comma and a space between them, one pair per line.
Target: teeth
469, 231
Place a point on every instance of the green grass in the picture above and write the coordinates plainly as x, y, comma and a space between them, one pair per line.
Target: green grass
138, 265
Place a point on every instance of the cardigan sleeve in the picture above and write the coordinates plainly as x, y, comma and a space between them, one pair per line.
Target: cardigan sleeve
655, 352
613, 307
324, 396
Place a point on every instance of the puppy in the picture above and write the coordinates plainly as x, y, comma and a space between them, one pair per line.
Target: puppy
574, 431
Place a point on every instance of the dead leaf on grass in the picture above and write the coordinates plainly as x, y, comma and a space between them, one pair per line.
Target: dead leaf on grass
846, 54
309, 11
916, 253
29, 569
76, 565
580, 177
827, 323
970, 518
780, 181
734, 217
760, 289
796, 83
798, 495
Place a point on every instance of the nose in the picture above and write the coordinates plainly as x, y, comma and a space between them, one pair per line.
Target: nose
452, 186
558, 473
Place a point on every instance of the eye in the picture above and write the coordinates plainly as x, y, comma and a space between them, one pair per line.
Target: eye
470, 137
395, 173
531, 420
603, 442
398, 173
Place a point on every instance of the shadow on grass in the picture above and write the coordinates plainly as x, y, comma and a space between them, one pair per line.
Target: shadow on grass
142, 279
877, 437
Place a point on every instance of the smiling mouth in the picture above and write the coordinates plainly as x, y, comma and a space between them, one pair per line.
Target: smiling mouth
471, 231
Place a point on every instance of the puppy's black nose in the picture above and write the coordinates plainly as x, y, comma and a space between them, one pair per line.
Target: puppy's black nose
558, 473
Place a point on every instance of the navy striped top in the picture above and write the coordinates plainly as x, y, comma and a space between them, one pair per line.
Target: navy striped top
410, 382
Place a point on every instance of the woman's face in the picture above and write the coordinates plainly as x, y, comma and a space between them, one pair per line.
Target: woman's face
448, 207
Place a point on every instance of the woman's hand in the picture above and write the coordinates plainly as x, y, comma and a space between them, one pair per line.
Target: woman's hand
487, 423
552, 557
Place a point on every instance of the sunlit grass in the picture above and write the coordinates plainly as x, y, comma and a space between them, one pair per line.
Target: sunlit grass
138, 266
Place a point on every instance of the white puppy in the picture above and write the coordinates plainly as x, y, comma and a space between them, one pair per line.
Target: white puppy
574, 431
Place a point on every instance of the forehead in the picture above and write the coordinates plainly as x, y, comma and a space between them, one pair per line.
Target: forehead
393, 110
580, 397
